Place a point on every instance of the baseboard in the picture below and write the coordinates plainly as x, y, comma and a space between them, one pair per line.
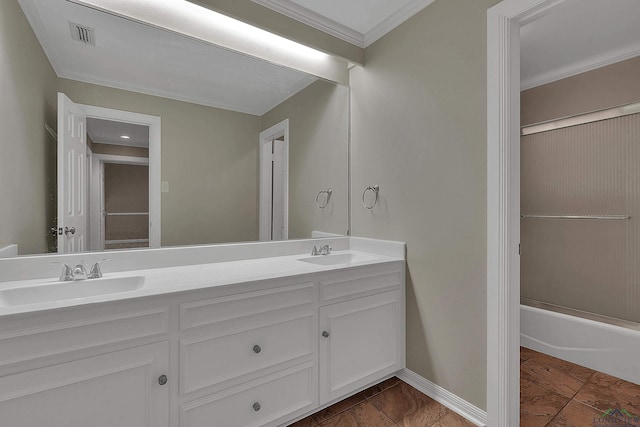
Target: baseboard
444, 397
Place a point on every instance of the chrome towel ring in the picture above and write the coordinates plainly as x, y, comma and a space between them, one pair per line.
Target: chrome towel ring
319, 202
375, 189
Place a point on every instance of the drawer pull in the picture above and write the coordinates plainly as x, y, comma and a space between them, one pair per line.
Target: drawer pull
256, 407
162, 379
257, 349
325, 334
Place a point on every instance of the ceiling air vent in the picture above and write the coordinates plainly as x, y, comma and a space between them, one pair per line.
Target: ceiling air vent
82, 34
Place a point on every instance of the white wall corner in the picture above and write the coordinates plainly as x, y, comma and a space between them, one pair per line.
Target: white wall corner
444, 397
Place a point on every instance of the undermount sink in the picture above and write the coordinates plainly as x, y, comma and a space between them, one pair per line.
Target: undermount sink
60, 291
335, 259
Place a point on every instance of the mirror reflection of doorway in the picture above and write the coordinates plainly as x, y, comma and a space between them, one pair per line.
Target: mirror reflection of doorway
119, 184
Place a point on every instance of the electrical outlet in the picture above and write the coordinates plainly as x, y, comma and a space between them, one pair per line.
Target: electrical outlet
165, 186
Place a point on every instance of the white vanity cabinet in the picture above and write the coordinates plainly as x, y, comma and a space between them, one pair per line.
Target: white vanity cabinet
82, 368
362, 336
248, 354
249, 359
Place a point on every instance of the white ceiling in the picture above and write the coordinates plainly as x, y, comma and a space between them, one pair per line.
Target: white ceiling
360, 22
136, 57
109, 132
578, 36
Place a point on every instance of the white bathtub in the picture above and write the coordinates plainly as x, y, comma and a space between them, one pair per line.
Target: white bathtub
614, 350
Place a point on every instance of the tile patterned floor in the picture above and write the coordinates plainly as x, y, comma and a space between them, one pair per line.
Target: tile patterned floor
557, 393
392, 403
553, 393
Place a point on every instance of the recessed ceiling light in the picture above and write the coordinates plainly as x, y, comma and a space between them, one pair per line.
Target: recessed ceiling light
125, 137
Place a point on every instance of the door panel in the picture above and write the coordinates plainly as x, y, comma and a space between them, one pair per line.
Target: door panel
118, 389
72, 176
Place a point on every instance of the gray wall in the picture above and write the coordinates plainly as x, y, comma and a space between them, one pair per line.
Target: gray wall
27, 151
419, 131
606, 87
318, 156
209, 158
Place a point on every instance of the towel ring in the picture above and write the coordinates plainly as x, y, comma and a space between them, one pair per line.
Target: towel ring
375, 189
319, 204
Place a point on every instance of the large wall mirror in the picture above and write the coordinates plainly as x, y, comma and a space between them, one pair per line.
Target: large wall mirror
216, 145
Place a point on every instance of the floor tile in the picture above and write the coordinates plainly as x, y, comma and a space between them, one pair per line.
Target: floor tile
305, 422
550, 377
451, 419
345, 404
407, 406
576, 371
526, 354
575, 414
538, 405
362, 415
604, 392
388, 383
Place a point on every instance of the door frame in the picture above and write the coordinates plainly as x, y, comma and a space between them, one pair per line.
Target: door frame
503, 204
155, 124
265, 191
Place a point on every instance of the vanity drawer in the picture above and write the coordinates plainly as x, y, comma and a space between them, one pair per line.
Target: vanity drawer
268, 401
215, 358
360, 282
38, 338
230, 311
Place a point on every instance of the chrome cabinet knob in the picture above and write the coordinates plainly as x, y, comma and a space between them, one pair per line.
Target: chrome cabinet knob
257, 349
256, 406
325, 334
162, 379
68, 230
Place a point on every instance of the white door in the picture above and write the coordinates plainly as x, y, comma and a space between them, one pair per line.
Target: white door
278, 169
72, 176
360, 342
118, 389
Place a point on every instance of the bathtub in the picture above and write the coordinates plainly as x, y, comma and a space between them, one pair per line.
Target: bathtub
608, 348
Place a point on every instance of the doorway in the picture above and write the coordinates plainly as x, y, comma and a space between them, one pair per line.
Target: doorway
114, 133
274, 183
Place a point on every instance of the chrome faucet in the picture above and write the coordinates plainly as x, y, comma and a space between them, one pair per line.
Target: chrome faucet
324, 250
79, 272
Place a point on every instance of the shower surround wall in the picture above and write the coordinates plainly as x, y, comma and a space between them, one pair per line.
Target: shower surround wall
591, 169
590, 265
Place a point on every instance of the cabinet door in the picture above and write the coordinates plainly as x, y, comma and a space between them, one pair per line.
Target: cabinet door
118, 389
360, 342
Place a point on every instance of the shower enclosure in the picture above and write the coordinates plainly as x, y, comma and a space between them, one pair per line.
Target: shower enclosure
580, 206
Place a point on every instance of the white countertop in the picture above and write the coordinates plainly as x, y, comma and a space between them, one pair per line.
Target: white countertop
159, 281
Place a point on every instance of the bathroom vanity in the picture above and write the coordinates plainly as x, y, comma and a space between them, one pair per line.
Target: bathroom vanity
258, 341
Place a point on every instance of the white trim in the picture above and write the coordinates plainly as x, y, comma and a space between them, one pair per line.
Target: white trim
503, 204
123, 160
593, 63
154, 160
264, 195
315, 20
393, 21
329, 26
444, 397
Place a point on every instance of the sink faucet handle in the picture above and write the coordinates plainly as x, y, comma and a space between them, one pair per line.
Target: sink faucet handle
67, 272
95, 272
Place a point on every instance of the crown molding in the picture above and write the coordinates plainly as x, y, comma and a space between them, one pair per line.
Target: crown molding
315, 20
393, 21
579, 67
329, 26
